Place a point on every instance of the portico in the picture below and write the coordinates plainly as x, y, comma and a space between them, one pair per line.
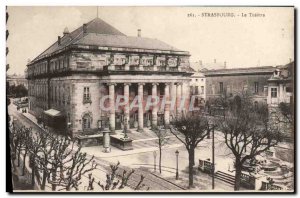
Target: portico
136, 103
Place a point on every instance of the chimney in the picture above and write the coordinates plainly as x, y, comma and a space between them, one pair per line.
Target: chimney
58, 40
225, 65
215, 60
139, 33
66, 31
84, 28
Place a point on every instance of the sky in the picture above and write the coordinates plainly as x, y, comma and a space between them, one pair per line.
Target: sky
240, 41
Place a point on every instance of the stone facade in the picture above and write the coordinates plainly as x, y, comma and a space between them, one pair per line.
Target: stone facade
74, 78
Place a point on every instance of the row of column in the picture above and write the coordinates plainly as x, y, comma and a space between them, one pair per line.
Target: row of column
176, 91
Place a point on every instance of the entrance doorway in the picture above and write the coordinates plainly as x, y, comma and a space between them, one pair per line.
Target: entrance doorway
147, 119
119, 120
133, 120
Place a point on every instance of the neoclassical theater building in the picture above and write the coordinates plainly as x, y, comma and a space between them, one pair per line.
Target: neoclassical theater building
68, 80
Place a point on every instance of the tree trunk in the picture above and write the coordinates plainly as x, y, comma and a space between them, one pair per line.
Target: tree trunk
238, 172
160, 159
54, 179
191, 165
24, 162
44, 180
19, 156
68, 188
32, 175
193, 156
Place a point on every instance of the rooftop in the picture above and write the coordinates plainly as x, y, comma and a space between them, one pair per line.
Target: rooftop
99, 33
235, 71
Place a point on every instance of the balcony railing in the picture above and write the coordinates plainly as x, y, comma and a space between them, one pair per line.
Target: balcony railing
134, 68
109, 68
161, 69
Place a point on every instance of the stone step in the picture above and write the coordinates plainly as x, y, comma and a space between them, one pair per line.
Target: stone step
225, 177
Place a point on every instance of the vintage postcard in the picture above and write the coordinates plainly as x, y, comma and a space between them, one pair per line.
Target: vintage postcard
150, 99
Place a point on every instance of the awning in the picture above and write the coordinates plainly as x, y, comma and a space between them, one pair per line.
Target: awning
53, 113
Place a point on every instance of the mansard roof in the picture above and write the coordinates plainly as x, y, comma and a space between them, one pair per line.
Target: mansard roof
99, 33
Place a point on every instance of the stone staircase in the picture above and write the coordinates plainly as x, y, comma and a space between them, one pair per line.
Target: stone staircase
225, 177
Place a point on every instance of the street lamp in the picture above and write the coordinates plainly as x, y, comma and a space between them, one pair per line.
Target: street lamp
177, 153
154, 155
212, 130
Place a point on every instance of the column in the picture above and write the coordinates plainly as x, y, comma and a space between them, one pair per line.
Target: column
112, 122
155, 108
106, 141
140, 110
178, 97
186, 93
173, 97
126, 111
167, 105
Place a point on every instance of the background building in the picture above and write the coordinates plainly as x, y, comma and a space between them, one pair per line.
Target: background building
17, 80
229, 82
201, 66
197, 88
280, 85
68, 80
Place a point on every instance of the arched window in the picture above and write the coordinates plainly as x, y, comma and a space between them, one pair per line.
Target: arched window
86, 121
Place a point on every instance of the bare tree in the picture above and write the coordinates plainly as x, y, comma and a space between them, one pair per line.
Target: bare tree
247, 128
190, 130
42, 144
113, 182
27, 134
286, 111
57, 159
162, 140
68, 164
76, 166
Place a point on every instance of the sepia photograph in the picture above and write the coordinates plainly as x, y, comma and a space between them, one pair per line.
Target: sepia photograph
141, 99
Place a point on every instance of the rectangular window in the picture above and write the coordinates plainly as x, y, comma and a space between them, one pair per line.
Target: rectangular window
255, 87
196, 90
191, 90
273, 92
221, 87
202, 89
86, 94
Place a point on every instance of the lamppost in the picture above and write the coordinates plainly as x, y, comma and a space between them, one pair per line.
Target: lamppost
177, 153
154, 155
